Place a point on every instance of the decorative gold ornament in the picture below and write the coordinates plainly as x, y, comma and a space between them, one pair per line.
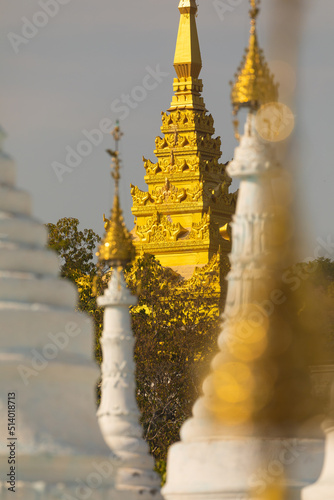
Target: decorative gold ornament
159, 228
226, 232
116, 248
207, 275
254, 84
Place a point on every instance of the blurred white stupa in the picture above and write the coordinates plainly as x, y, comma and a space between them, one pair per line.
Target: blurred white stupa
243, 437
46, 371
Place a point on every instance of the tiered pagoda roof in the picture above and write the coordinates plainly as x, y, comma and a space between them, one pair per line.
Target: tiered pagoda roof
188, 201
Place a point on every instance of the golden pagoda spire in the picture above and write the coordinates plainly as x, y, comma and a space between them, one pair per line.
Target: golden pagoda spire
254, 84
116, 248
187, 61
178, 218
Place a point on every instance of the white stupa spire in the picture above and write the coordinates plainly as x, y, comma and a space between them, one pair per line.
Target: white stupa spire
118, 413
232, 435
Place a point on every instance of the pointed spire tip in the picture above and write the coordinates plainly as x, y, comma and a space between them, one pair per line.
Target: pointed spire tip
254, 84
116, 248
187, 61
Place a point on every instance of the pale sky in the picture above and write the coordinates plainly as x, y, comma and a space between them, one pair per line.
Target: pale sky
67, 75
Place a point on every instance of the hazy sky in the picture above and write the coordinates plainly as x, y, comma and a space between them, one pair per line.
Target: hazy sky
63, 78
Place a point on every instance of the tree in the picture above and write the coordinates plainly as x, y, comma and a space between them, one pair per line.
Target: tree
74, 247
316, 296
76, 250
176, 330
176, 326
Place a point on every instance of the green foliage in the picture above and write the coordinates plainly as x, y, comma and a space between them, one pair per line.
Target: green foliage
161, 469
75, 248
324, 274
175, 330
176, 327
316, 297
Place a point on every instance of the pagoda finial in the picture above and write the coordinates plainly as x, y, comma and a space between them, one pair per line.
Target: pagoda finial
115, 173
254, 12
187, 61
116, 248
254, 84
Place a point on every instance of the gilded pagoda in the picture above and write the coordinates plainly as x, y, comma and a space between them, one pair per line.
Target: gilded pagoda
183, 217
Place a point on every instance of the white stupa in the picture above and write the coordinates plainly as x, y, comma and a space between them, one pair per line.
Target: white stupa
118, 413
324, 488
49, 427
217, 457
239, 444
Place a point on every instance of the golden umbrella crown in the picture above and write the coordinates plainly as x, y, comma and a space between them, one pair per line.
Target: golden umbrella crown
254, 83
116, 248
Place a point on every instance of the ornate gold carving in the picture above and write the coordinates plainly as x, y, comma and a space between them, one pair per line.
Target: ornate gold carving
182, 120
196, 192
210, 143
173, 165
191, 140
168, 194
151, 168
220, 195
140, 197
211, 275
201, 230
206, 275
160, 228
161, 142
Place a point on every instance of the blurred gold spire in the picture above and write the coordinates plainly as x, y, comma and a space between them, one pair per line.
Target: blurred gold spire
254, 84
187, 61
116, 248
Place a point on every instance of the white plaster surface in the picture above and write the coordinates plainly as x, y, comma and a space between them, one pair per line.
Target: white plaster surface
118, 413
46, 351
324, 488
